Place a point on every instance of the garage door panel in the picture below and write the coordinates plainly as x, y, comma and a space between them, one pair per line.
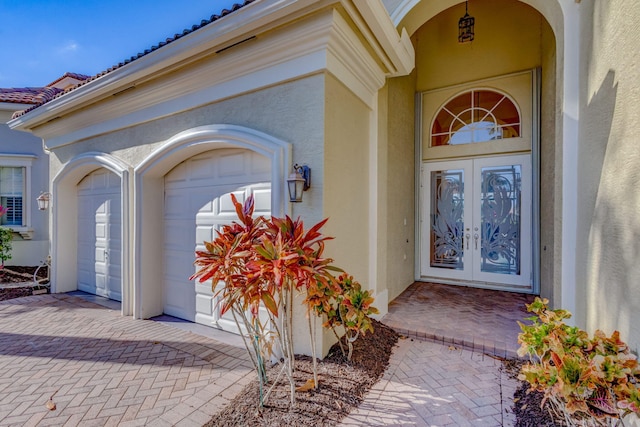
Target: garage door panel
115, 245
204, 306
99, 234
99, 257
101, 230
205, 233
201, 169
180, 300
178, 232
174, 204
259, 165
225, 204
262, 197
233, 165
203, 186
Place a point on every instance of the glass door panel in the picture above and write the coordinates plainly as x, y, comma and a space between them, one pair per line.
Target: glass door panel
476, 223
447, 211
500, 189
447, 221
502, 214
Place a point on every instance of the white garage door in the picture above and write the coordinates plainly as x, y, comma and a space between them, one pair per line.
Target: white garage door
99, 225
198, 202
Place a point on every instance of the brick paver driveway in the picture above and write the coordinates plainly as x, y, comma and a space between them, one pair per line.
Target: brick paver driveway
105, 369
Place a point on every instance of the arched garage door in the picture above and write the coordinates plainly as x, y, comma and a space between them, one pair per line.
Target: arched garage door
99, 234
198, 202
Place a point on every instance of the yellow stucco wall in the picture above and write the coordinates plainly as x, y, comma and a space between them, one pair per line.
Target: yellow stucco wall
292, 112
346, 179
346, 183
550, 159
397, 157
507, 39
608, 229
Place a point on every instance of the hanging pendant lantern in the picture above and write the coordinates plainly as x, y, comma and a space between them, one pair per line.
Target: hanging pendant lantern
465, 26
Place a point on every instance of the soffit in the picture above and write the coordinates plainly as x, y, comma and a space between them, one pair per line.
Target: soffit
226, 59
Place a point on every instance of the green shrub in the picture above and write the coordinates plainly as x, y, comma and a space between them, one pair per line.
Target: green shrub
590, 381
6, 236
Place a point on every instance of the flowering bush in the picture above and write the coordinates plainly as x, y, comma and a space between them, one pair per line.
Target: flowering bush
266, 262
588, 380
345, 305
6, 236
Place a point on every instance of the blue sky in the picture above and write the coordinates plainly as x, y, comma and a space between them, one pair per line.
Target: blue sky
41, 40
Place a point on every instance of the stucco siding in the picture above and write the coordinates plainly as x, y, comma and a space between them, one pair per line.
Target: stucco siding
549, 145
346, 179
608, 229
400, 200
292, 112
507, 40
31, 251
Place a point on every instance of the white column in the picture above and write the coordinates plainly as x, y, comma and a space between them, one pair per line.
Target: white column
570, 128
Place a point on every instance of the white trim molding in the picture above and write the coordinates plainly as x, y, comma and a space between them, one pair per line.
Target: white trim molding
148, 205
570, 144
193, 71
64, 230
24, 160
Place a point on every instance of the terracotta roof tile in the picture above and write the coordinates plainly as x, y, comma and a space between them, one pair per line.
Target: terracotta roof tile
72, 75
161, 44
28, 95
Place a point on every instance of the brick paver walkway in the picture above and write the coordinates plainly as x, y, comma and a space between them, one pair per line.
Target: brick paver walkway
482, 320
431, 384
105, 369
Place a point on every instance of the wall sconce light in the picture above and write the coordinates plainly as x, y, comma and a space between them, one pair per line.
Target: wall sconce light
465, 26
43, 201
299, 180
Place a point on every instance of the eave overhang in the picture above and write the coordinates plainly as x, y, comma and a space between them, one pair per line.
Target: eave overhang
331, 45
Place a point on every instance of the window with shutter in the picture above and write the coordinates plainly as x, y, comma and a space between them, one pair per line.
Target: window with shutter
12, 181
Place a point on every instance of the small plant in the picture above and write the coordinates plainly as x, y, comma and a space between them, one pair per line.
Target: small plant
589, 381
6, 236
266, 262
345, 305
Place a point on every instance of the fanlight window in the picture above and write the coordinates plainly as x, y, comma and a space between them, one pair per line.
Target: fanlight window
476, 116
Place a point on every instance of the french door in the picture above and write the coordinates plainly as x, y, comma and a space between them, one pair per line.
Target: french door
476, 222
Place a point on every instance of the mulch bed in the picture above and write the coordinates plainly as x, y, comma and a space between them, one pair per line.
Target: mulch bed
17, 282
342, 386
527, 404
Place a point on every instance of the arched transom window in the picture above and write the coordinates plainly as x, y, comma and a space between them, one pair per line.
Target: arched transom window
476, 116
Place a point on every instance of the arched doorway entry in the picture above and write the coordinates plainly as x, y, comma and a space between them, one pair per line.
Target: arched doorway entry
512, 38
90, 228
476, 178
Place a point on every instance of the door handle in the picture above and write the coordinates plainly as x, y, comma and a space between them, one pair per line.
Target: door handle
475, 238
467, 238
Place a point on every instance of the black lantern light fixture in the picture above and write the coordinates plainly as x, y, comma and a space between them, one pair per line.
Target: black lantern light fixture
299, 180
465, 26
43, 201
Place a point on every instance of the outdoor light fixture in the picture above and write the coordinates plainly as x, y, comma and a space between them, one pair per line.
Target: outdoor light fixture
43, 201
465, 26
298, 181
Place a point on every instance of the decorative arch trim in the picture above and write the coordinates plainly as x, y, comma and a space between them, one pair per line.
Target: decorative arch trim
148, 203
64, 209
457, 119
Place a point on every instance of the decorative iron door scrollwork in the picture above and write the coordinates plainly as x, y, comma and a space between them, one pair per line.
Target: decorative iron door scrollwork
447, 223
500, 216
